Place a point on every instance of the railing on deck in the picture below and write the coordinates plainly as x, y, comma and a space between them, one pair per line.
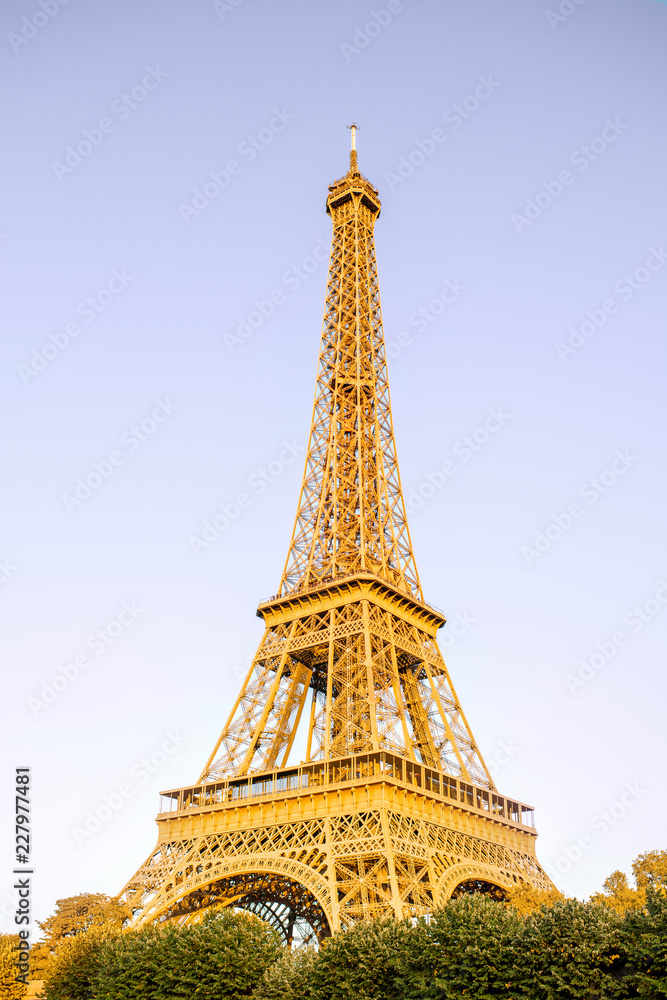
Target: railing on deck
339, 772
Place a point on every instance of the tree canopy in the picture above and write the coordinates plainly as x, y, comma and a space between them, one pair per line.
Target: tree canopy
9, 988
222, 956
74, 916
78, 913
650, 870
532, 946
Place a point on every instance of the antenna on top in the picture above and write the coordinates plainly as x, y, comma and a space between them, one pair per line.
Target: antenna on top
353, 146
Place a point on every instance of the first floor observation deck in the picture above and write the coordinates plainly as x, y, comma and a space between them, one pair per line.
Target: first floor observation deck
359, 779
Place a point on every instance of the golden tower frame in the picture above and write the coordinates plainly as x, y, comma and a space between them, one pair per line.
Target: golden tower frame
393, 808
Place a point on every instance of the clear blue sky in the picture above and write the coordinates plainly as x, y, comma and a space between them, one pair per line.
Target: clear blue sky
165, 171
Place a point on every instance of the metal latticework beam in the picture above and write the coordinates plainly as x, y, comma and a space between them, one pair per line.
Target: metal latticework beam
351, 516
382, 680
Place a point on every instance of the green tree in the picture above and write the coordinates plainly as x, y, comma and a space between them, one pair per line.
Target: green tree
361, 963
466, 949
645, 940
74, 915
570, 950
290, 978
9, 988
130, 965
223, 956
72, 970
227, 954
77, 913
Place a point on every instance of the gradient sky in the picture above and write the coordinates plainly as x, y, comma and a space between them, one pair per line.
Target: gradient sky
544, 208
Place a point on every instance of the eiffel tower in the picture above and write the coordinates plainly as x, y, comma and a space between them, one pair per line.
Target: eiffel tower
393, 809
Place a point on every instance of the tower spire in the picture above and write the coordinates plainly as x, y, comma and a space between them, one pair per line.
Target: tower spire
353, 148
351, 516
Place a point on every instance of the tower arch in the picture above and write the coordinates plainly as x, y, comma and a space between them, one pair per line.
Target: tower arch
287, 894
282, 902
461, 879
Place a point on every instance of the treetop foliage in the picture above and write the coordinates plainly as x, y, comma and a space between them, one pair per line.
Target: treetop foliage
222, 956
478, 949
525, 898
77, 913
534, 946
74, 916
650, 870
9, 988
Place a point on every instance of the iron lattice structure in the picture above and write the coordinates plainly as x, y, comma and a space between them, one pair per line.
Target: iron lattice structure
393, 808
